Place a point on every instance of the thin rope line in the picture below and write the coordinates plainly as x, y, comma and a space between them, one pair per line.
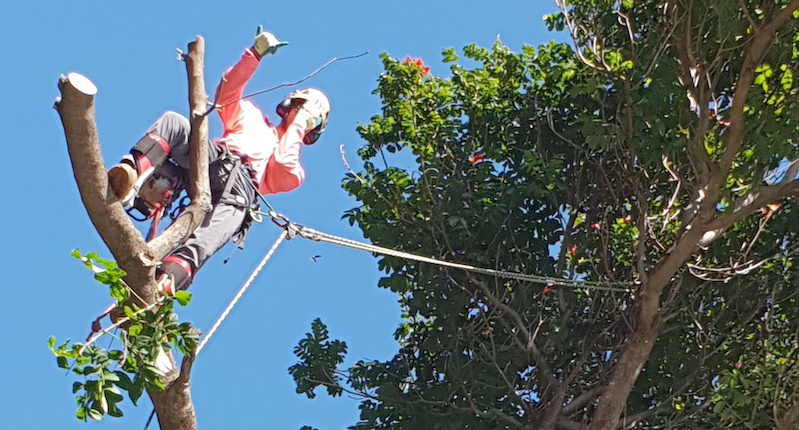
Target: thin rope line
318, 236
241, 292
232, 304
314, 73
330, 62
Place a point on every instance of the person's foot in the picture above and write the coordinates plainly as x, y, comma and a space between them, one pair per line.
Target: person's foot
121, 179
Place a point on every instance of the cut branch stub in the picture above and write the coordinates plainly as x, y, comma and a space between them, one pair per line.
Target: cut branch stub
76, 109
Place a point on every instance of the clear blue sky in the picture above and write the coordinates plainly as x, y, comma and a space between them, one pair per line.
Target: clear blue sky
240, 381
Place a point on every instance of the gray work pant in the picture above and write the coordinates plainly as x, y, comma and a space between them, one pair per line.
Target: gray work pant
231, 201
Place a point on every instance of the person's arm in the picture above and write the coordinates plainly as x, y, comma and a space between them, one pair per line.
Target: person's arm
231, 88
284, 171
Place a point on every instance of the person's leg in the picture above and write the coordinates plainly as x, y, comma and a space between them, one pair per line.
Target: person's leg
232, 195
168, 135
216, 230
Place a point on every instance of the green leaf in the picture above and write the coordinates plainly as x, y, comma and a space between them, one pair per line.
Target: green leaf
123, 380
450, 56
114, 411
63, 362
136, 390
135, 329
183, 297
95, 414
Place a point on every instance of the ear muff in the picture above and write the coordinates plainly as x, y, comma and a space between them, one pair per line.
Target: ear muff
312, 136
296, 99
282, 109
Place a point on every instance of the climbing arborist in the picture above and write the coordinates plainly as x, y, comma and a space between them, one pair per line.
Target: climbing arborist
253, 156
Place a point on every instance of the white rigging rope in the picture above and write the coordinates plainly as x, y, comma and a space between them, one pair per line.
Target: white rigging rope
290, 230
311, 234
242, 290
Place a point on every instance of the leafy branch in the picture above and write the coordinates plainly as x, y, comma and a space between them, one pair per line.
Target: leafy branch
142, 360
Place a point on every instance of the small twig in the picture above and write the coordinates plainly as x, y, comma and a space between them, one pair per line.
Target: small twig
725, 273
132, 291
749, 18
346, 165
674, 196
121, 321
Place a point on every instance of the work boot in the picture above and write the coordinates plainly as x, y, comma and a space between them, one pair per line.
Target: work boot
121, 179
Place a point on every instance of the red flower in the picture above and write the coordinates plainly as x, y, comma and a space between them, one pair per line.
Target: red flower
769, 210
573, 250
419, 63
476, 158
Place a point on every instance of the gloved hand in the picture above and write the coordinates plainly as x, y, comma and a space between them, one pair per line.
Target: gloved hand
266, 43
307, 120
309, 115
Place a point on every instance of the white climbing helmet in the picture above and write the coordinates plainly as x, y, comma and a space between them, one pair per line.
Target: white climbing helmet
315, 102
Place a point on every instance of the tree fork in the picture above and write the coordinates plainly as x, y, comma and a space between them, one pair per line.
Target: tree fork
173, 406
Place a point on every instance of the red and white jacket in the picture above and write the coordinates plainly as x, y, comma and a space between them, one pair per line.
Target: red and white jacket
274, 157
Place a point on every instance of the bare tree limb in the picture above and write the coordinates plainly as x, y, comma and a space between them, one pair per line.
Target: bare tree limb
76, 109
174, 406
747, 205
199, 190
580, 401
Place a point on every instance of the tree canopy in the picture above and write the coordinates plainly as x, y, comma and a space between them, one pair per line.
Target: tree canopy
652, 163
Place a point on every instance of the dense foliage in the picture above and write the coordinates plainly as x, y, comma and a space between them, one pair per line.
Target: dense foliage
656, 155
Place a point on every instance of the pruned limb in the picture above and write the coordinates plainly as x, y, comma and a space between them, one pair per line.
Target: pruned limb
76, 109
174, 406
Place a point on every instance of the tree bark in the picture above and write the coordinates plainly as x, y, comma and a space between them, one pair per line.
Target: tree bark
138, 259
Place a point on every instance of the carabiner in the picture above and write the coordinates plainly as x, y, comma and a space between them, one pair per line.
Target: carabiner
279, 219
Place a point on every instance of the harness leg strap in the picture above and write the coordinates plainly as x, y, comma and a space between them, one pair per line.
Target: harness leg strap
150, 151
178, 270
